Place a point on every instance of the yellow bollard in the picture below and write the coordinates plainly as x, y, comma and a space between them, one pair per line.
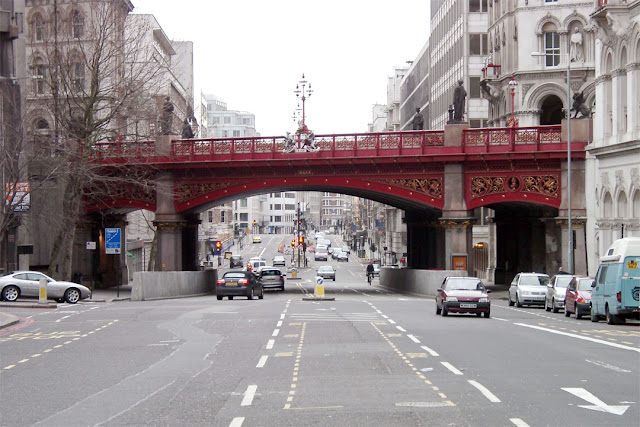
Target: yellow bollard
43, 291
319, 291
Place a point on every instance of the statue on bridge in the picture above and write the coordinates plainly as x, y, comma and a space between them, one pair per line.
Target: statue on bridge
459, 98
418, 120
187, 132
166, 119
579, 106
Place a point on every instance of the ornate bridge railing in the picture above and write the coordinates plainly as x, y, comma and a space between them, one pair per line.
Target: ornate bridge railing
489, 140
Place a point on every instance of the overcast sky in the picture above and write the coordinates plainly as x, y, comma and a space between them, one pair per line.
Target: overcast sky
252, 53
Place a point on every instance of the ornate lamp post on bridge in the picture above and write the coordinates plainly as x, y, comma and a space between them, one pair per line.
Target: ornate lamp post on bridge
303, 88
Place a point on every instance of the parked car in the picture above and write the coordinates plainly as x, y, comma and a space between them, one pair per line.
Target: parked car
26, 284
578, 298
238, 283
327, 272
342, 256
459, 294
236, 261
528, 289
320, 256
279, 260
271, 277
556, 289
257, 239
376, 270
617, 284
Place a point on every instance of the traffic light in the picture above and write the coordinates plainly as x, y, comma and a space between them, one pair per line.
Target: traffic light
293, 242
218, 247
301, 239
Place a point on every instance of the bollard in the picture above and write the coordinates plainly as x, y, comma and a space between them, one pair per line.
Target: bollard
43, 292
294, 273
319, 291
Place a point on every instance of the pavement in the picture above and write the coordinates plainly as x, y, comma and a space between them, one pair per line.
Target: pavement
98, 295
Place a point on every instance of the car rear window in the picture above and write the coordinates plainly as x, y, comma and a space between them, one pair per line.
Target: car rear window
534, 280
270, 273
234, 276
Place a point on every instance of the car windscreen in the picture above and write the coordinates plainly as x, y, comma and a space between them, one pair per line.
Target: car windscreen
234, 276
325, 269
584, 284
534, 280
464, 284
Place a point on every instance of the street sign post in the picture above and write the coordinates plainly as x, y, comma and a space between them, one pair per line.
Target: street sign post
113, 241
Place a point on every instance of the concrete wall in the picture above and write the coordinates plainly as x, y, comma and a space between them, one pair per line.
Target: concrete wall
149, 285
420, 282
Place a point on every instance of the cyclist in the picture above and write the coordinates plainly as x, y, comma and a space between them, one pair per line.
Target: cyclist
369, 272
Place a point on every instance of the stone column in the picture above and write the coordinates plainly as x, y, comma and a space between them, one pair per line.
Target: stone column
168, 223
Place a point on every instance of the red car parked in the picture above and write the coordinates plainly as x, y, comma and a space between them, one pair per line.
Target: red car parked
578, 297
463, 295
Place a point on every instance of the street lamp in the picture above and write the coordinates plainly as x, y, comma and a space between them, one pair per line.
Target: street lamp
513, 84
570, 249
306, 92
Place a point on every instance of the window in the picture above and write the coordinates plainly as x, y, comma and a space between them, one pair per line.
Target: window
474, 87
277, 207
77, 25
40, 73
477, 5
39, 28
478, 44
243, 203
210, 216
246, 121
289, 207
236, 133
41, 125
227, 120
277, 218
222, 216
290, 195
244, 216
552, 48
77, 77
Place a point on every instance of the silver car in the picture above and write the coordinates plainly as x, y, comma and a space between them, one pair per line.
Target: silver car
27, 284
556, 290
327, 272
528, 289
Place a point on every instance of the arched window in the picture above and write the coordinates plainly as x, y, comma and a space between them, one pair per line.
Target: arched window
607, 206
39, 27
622, 205
41, 125
77, 24
76, 74
39, 73
551, 45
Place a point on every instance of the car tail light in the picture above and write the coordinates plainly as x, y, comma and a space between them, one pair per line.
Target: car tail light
243, 281
220, 282
619, 296
581, 299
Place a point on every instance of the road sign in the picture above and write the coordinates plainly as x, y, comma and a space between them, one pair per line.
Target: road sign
113, 240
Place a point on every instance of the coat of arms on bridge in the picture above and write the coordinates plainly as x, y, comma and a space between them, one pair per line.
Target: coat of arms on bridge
303, 139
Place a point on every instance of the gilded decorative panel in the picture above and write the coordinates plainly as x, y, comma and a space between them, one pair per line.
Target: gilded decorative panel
189, 191
544, 185
429, 186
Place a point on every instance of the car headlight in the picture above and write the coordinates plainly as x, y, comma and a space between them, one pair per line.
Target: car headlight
483, 300
452, 299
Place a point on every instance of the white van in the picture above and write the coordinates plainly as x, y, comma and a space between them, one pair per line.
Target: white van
616, 290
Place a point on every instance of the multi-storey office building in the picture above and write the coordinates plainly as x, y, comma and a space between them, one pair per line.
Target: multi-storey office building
224, 123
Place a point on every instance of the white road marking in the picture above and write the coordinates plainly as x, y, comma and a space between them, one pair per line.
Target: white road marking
279, 323
580, 337
502, 320
275, 332
597, 404
282, 316
452, 368
606, 365
414, 339
262, 362
270, 344
392, 322
237, 422
401, 329
62, 318
485, 391
518, 422
248, 395
428, 350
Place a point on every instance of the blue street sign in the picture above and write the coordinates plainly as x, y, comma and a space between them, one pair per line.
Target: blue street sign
113, 240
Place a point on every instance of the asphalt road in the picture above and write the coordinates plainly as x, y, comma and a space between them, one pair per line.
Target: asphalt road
369, 358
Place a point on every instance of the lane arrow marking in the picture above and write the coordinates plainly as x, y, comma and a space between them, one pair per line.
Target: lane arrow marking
597, 404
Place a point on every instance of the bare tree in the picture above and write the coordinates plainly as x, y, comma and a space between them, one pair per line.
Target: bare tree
95, 75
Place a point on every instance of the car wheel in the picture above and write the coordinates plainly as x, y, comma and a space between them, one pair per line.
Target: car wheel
230, 297
261, 294
72, 295
10, 293
334, 279
438, 309
250, 294
578, 315
567, 313
510, 302
518, 301
487, 314
611, 319
444, 310
594, 317
546, 306
282, 288
478, 314
219, 297
553, 306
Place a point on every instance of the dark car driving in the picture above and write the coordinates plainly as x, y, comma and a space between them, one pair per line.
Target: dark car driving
239, 283
236, 261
